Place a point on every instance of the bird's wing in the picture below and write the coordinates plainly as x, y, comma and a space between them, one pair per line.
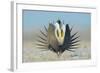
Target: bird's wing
52, 38
70, 41
67, 37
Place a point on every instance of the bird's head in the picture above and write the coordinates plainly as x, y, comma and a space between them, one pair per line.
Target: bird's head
59, 31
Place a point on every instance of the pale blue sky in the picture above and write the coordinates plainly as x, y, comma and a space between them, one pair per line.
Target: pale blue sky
37, 19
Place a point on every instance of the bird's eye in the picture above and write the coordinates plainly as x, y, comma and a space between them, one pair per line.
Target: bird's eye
57, 33
62, 33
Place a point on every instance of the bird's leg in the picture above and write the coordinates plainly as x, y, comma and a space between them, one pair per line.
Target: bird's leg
58, 55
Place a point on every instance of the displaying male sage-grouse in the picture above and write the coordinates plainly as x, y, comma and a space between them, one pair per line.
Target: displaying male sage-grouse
58, 38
